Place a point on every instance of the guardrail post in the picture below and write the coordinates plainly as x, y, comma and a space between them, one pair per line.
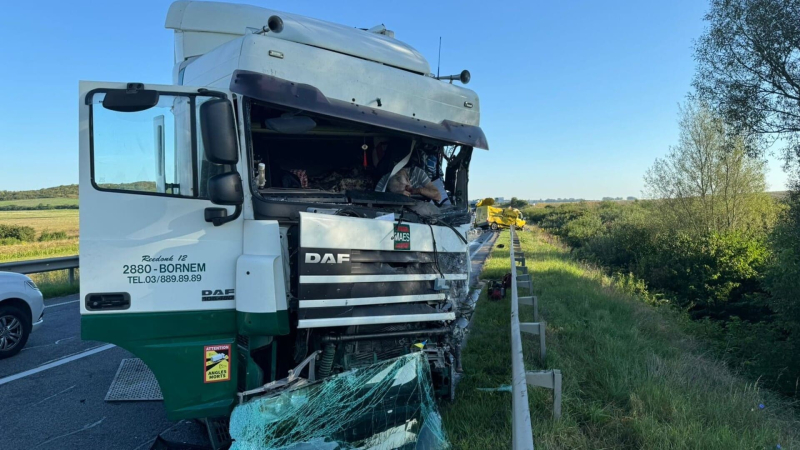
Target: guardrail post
531, 300
71, 275
550, 379
536, 328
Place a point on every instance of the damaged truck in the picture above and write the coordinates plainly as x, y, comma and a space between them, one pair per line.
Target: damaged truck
230, 224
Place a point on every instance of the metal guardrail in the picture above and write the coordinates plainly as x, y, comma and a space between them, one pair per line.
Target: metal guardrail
522, 433
44, 265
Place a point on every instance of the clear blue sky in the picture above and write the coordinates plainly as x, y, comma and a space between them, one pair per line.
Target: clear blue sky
578, 97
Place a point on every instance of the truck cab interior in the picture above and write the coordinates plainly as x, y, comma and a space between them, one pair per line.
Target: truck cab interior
296, 156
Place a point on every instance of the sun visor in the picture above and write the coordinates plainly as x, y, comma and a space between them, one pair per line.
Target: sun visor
305, 97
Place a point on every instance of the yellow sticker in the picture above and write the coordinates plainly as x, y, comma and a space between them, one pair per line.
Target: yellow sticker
217, 363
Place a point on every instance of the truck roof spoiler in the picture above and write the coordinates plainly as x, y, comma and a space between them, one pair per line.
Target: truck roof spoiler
205, 25
307, 98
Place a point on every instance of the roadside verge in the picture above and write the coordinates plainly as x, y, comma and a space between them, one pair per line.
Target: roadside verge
632, 377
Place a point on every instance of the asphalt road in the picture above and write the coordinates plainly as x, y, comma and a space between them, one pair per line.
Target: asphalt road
57, 401
52, 393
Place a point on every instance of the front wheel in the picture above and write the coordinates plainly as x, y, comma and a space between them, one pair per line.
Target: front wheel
494, 226
14, 331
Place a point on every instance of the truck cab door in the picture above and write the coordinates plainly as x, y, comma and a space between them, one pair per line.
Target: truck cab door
158, 257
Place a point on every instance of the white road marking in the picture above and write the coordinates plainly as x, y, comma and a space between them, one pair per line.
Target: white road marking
57, 393
62, 303
56, 363
85, 427
49, 345
476, 249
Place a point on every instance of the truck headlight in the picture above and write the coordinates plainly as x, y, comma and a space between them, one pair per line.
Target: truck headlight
31, 285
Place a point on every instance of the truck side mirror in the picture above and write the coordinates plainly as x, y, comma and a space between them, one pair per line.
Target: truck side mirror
224, 189
133, 98
219, 132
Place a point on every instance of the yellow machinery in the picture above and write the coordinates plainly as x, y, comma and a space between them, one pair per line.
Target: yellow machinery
488, 216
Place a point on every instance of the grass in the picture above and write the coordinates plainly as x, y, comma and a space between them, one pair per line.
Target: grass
56, 283
50, 223
46, 221
36, 201
633, 377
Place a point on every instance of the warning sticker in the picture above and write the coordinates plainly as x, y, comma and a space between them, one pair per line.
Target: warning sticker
217, 363
402, 237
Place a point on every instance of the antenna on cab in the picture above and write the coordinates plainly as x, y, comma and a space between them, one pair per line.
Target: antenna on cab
439, 61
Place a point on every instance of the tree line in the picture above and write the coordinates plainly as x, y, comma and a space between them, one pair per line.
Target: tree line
39, 207
66, 191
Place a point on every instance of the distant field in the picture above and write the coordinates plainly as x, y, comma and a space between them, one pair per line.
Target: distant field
38, 201
65, 220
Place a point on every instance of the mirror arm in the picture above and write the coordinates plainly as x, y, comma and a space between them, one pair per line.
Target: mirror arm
219, 216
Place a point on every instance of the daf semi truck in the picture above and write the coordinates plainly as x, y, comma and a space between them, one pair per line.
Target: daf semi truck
230, 226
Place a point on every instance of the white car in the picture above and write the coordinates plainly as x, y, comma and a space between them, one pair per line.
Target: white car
21, 312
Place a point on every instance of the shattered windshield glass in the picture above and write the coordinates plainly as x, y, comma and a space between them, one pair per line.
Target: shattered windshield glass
389, 405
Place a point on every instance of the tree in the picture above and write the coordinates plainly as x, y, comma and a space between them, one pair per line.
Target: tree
749, 69
707, 183
783, 275
517, 203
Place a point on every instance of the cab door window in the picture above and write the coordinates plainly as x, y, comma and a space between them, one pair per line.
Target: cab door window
154, 151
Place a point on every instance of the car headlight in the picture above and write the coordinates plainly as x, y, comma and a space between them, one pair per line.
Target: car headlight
31, 285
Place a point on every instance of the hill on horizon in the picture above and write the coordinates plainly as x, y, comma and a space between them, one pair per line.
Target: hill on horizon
65, 191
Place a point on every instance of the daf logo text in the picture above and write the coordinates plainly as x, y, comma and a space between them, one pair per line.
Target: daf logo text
327, 258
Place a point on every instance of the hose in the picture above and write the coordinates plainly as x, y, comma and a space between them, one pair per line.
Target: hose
326, 361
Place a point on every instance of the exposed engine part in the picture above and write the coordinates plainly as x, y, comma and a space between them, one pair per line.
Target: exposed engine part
261, 179
293, 378
326, 362
364, 353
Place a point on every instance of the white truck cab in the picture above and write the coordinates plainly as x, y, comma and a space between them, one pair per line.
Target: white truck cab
232, 216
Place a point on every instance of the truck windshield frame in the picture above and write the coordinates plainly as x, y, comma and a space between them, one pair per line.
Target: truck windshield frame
310, 196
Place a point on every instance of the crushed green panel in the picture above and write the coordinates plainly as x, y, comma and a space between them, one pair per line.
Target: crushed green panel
253, 375
250, 374
172, 345
389, 405
263, 324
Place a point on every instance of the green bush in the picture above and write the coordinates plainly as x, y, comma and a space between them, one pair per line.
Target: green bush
535, 215
715, 275
583, 229
740, 286
20, 233
52, 236
783, 270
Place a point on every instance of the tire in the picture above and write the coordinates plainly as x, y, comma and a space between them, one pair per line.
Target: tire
494, 226
15, 328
